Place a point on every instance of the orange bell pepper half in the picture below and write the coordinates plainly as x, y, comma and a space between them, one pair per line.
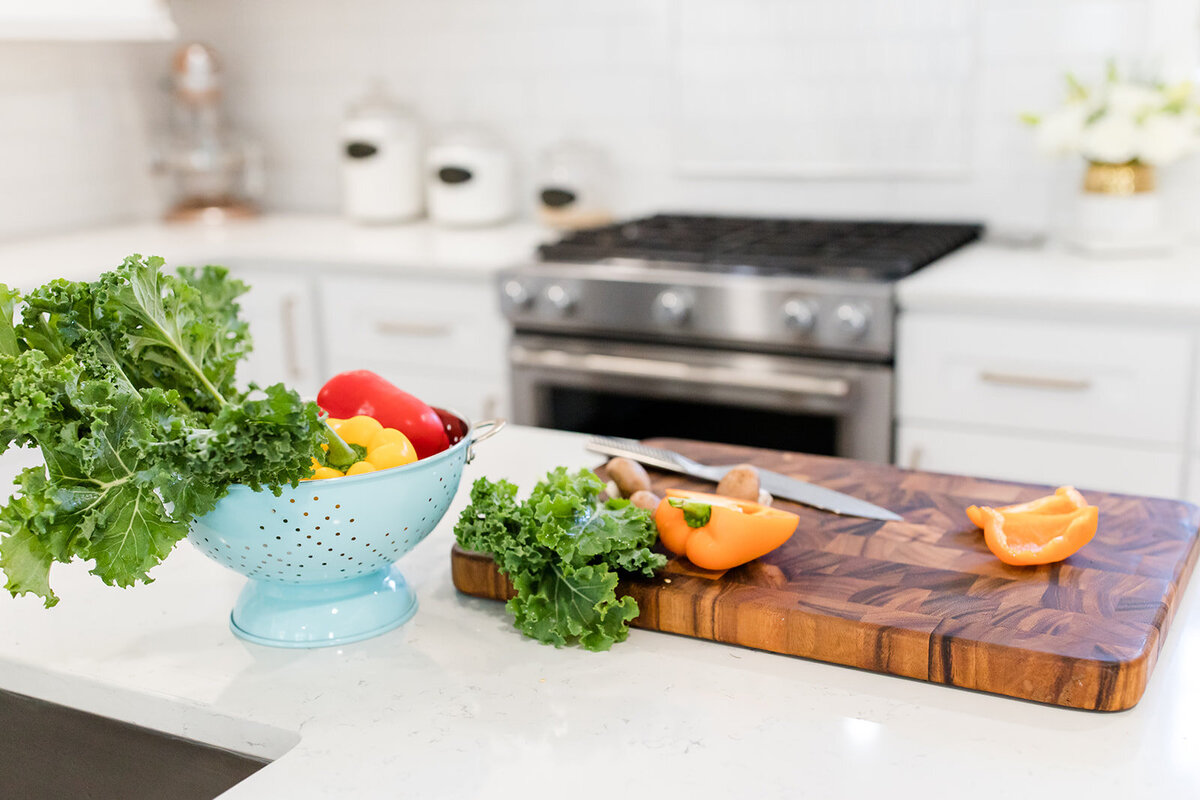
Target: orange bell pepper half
717, 532
1064, 500
1041, 531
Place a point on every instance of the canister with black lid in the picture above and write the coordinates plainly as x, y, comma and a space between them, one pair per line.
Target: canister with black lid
471, 179
573, 183
381, 161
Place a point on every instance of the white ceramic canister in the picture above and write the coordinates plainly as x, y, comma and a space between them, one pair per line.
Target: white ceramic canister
381, 161
471, 179
572, 190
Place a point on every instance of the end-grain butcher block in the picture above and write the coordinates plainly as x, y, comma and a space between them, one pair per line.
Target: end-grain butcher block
924, 598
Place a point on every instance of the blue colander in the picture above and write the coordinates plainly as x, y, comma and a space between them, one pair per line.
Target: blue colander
320, 556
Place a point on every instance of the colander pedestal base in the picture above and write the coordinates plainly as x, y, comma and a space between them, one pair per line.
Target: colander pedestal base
323, 614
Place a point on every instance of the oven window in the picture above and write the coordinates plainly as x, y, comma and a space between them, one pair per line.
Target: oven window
613, 414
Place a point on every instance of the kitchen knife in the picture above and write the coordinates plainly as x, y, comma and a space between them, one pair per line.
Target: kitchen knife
777, 484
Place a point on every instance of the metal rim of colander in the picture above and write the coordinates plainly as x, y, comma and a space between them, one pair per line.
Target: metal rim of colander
390, 472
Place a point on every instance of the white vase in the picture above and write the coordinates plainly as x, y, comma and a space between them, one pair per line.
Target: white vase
1119, 212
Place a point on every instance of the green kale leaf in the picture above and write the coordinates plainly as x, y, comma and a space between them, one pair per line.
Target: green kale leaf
563, 550
128, 387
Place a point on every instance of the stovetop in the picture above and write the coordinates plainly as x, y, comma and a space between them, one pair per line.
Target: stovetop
878, 251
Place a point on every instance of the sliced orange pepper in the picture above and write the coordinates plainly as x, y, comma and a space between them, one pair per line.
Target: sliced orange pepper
1065, 499
1023, 538
716, 532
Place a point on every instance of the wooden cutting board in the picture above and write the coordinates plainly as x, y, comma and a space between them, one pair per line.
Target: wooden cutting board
924, 598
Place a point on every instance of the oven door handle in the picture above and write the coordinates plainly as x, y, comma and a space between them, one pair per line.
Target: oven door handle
625, 366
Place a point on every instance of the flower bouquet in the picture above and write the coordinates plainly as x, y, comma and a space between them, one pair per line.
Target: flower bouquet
1124, 129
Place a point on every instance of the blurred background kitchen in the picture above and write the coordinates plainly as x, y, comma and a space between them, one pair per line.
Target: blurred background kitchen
417, 148
764, 106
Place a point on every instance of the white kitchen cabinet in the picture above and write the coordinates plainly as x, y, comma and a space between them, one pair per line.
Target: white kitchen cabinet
1037, 458
442, 340
1049, 401
282, 315
1191, 492
1057, 377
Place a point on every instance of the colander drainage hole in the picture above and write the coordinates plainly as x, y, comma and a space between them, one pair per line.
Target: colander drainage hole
352, 519
278, 537
262, 527
353, 538
292, 500
337, 505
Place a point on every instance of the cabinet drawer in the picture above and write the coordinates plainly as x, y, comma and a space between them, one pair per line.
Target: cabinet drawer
1058, 377
445, 325
1039, 459
279, 310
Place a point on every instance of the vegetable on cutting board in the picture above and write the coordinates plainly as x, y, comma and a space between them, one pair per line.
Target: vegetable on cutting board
720, 533
361, 392
127, 385
563, 551
1041, 531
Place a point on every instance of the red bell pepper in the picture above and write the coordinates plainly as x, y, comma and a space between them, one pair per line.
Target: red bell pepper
361, 391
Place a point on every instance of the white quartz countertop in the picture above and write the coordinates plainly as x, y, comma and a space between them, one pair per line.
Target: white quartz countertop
277, 240
991, 278
457, 704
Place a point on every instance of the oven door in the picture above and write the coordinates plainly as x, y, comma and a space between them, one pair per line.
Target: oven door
642, 390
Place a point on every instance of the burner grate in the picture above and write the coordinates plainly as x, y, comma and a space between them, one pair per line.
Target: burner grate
881, 250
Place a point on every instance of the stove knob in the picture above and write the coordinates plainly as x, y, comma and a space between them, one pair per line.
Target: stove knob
800, 315
517, 294
671, 307
853, 319
559, 299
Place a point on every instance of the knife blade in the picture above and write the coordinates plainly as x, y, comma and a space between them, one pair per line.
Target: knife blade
776, 483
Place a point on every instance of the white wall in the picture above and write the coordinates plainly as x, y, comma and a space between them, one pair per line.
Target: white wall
76, 121
650, 79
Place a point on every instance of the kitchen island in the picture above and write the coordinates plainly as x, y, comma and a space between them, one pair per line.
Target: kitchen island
457, 703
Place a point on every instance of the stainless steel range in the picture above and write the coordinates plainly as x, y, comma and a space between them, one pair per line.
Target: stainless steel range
768, 332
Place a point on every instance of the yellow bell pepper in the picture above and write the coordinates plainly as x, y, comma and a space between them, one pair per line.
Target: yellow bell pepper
380, 447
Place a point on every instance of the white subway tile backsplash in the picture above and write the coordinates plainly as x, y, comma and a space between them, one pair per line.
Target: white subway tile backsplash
851, 108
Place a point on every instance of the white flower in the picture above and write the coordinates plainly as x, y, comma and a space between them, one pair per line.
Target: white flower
1132, 100
1060, 131
1110, 140
1164, 138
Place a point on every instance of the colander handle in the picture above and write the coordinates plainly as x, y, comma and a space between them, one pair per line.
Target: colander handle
482, 431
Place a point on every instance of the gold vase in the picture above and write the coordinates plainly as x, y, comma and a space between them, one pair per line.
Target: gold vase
1118, 179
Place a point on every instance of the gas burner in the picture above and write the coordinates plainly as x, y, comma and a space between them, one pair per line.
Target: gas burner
869, 251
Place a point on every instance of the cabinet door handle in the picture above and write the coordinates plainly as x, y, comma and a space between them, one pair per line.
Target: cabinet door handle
1036, 381
291, 352
389, 327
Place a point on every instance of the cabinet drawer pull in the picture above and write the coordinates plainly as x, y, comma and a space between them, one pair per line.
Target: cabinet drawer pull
291, 354
389, 327
1036, 381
